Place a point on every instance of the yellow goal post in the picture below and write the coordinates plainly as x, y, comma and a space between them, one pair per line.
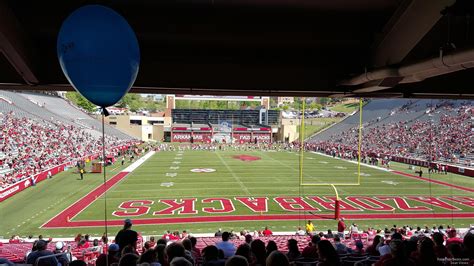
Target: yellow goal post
302, 150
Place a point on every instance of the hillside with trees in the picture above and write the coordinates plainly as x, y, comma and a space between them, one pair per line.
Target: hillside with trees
134, 102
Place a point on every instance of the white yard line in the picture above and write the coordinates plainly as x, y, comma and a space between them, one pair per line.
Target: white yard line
244, 188
264, 182
196, 189
297, 170
379, 168
230, 196
274, 188
353, 162
189, 181
286, 165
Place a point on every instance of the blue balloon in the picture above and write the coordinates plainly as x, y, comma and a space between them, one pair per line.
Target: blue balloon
99, 54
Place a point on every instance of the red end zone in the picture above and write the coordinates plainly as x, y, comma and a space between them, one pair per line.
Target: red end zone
63, 219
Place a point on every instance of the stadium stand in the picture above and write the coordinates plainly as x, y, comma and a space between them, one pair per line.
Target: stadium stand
364, 248
34, 138
431, 130
63, 108
40, 131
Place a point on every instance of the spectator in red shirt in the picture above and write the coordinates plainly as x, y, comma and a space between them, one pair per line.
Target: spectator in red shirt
167, 235
267, 232
341, 226
175, 236
452, 238
83, 244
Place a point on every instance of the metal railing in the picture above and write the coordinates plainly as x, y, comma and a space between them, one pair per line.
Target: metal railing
68, 255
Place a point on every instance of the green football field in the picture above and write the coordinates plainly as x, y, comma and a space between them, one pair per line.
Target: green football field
201, 191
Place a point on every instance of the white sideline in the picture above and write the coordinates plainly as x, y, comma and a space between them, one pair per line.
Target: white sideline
139, 162
129, 169
353, 162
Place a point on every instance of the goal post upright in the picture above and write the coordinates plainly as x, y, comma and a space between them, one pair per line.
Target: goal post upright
302, 140
333, 185
336, 203
359, 148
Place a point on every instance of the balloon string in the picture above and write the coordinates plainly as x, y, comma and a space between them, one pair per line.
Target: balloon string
104, 114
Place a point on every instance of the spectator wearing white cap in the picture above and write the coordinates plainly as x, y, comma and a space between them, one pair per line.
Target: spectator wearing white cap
65, 258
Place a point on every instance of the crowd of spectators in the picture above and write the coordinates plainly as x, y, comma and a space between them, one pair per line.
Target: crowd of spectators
29, 146
395, 246
445, 139
391, 246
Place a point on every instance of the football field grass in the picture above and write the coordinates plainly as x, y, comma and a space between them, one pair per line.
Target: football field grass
201, 191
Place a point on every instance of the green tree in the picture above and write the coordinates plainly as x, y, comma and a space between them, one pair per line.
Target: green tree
324, 101
297, 104
80, 101
314, 105
222, 105
151, 106
273, 103
131, 101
